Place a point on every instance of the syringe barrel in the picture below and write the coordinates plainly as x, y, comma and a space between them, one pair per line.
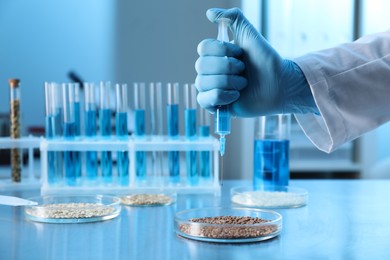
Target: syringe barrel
222, 120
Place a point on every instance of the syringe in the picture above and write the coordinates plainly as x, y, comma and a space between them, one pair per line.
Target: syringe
222, 115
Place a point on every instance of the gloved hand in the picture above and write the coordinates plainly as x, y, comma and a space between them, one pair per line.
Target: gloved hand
249, 74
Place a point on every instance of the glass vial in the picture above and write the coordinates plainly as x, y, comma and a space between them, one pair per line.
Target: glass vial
271, 151
16, 156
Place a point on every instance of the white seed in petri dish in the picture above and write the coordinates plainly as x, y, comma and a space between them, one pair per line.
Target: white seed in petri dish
70, 210
146, 199
269, 199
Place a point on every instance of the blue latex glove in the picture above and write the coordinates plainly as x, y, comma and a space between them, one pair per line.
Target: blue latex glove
249, 74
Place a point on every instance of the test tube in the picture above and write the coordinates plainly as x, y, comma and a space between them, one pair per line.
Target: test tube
155, 92
70, 157
16, 156
173, 130
52, 131
76, 105
57, 96
139, 129
204, 132
90, 130
190, 132
122, 133
271, 151
77, 123
222, 114
105, 130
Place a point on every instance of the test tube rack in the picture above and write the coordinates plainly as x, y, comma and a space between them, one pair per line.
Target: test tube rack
29, 180
153, 183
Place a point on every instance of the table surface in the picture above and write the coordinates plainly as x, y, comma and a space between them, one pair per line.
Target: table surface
344, 219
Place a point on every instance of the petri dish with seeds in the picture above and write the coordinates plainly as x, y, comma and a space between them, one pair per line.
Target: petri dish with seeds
228, 225
73, 209
269, 197
154, 199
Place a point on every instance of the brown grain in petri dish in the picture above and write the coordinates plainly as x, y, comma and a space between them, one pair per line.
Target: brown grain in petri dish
228, 227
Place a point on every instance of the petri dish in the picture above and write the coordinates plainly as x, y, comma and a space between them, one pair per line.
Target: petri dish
228, 225
154, 199
73, 209
269, 197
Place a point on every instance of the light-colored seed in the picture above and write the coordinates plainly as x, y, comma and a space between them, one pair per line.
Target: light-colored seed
70, 210
146, 199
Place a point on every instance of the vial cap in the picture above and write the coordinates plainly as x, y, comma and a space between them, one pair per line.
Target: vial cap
13, 83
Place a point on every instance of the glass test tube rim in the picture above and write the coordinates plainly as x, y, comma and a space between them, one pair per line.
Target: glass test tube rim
68, 98
190, 96
121, 98
48, 100
105, 91
173, 93
139, 95
155, 92
89, 96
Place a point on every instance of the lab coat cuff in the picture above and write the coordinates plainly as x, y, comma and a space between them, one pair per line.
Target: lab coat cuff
326, 131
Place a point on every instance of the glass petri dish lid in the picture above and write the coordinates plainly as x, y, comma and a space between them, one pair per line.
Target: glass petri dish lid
73, 209
149, 199
228, 225
269, 197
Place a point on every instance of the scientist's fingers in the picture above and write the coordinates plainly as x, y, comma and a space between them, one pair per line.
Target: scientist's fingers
238, 24
210, 65
212, 47
216, 97
223, 82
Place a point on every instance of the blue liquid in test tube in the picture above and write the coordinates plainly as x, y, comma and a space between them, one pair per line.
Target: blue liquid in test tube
191, 156
90, 117
139, 118
106, 156
271, 163
190, 133
105, 130
71, 159
173, 130
139, 128
53, 130
204, 132
122, 133
91, 156
173, 133
77, 123
122, 157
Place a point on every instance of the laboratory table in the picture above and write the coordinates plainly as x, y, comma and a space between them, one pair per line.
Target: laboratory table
344, 219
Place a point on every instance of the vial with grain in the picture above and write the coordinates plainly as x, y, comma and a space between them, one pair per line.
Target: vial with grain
16, 160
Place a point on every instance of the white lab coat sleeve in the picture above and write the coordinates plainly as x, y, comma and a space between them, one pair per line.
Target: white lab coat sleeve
351, 87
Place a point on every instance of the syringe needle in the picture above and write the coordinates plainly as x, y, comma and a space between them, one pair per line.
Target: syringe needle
222, 141
221, 175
